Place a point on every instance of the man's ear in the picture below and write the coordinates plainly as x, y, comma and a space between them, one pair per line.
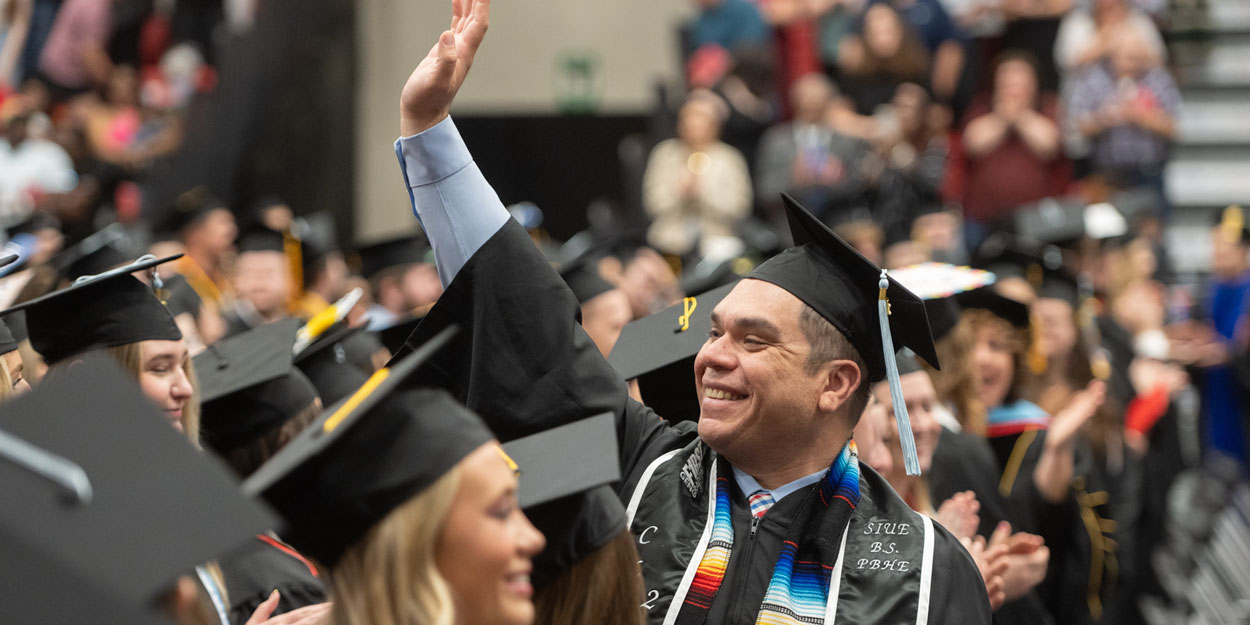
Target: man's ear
841, 378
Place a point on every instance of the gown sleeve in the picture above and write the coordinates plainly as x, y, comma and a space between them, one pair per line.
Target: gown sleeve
520, 359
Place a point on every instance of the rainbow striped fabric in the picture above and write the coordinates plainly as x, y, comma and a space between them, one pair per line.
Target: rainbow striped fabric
798, 590
711, 571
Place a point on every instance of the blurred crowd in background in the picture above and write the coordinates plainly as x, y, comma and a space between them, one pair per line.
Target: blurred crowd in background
1027, 137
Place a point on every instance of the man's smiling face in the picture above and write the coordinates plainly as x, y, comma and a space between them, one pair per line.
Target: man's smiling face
755, 391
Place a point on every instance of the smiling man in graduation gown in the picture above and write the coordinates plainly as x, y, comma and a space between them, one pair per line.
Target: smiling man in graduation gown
758, 513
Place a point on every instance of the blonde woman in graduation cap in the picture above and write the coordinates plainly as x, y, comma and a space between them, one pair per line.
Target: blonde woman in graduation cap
119, 315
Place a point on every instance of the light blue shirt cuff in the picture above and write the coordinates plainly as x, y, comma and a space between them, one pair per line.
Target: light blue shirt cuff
456, 206
433, 154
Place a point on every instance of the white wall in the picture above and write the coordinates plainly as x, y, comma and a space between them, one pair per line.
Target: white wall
633, 41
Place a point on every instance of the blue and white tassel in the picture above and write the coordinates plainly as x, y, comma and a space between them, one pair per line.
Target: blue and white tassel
905, 439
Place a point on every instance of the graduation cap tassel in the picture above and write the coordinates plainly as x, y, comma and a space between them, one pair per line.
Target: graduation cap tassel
910, 461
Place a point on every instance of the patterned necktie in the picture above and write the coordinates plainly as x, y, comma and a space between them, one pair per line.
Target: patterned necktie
761, 501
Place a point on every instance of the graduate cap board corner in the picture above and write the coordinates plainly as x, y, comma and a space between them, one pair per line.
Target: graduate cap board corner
103, 310
249, 385
78, 460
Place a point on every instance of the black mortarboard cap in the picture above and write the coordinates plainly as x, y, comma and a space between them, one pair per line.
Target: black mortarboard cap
16, 322
1059, 284
365, 457
106, 310
34, 588
545, 458
395, 335
582, 276
575, 510
659, 349
406, 250
189, 207
907, 362
701, 278
1052, 220
182, 297
1007, 255
8, 342
1064, 220
38, 220
262, 239
126, 502
673, 334
327, 364
841, 285
102, 250
986, 298
249, 386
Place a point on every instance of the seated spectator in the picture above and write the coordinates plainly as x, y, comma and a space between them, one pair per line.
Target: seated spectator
940, 36
911, 145
30, 168
74, 58
1011, 145
726, 23
1087, 35
1126, 108
795, 22
120, 131
883, 56
696, 189
806, 158
750, 91
1032, 26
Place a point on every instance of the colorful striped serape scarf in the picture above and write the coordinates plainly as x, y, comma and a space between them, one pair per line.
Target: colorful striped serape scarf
1015, 418
798, 591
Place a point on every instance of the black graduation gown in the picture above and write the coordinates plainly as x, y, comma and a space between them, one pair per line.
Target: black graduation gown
1084, 532
966, 462
523, 364
255, 570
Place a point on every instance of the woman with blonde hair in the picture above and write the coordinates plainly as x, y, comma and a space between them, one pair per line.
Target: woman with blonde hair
12, 378
410, 506
119, 315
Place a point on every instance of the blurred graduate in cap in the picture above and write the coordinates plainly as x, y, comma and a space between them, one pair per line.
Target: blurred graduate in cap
401, 277
605, 309
1081, 499
206, 230
759, 513
263, 281
412, 506
253, 402
12, 370
127, 319
960, 485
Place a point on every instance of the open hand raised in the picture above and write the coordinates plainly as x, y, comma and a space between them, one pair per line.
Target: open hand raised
430, 90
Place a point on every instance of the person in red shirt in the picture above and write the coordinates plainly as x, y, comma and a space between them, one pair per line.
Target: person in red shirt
1011, 147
